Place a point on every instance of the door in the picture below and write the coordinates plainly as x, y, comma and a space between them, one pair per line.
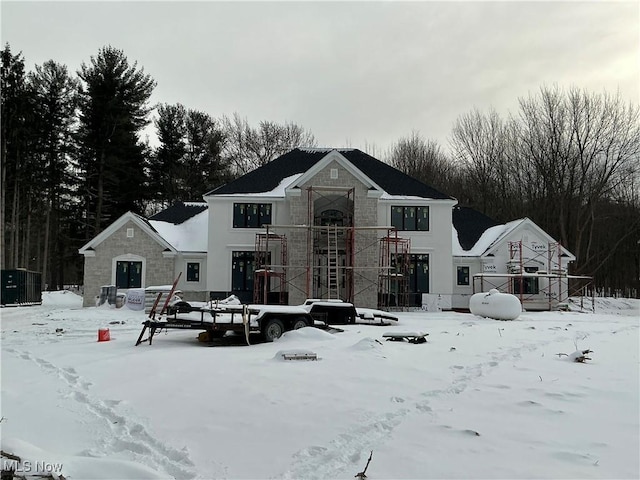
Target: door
129, 274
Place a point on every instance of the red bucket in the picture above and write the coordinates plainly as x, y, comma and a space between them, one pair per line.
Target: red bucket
104, 335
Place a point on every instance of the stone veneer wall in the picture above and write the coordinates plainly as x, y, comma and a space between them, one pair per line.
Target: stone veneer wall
366, 244
98, 269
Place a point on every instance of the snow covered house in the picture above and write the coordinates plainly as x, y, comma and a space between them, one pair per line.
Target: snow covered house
517, 257
328, 224
135, 252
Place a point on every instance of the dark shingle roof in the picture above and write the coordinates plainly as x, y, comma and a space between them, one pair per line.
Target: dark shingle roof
179, 212
470, 225
267, 177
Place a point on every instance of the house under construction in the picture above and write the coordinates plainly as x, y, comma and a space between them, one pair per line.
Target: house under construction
340, 224
329, 224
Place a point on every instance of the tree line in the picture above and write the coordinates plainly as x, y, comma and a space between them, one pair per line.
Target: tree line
568, 159
74, 159
74, 156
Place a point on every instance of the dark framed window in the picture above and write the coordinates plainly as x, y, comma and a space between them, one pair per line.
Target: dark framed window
525, 285
193, 271
128, 274
463, 275
419, 273
251, 215
332, 217
242, 269
410, 218
416, 267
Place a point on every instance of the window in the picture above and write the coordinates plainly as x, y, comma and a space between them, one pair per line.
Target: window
332, 217
410, 218
128, 274
525, 285
193, 272
129, 232
242, 268
417, 267
251, 215
463, 275
419, 273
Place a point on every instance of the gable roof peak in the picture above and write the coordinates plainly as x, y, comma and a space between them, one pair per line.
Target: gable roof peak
300, 160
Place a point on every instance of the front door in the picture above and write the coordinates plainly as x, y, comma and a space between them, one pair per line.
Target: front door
129, 274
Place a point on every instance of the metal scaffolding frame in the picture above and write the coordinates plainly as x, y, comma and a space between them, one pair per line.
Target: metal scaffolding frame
330, 271
393, 278
559, 287
270, 278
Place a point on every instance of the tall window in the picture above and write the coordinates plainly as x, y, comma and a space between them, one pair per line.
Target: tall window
128, 274
463, 275
417, 267
242, 268
193, 271
419, 273
410, 218
251, 215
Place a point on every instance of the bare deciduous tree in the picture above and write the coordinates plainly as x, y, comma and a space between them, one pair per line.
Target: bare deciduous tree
422, 159
248, 148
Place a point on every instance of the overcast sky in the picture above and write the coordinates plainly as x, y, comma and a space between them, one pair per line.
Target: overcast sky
357, 74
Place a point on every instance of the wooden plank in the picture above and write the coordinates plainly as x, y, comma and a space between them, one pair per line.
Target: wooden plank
141, 334
171, 292
152, 313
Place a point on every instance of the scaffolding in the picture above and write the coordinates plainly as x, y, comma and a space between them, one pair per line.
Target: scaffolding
333, 248
270, 278
526, 266
393, 277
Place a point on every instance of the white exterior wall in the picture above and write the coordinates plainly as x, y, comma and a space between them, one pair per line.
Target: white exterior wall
223, 239
436, 242
462, 293
196, 291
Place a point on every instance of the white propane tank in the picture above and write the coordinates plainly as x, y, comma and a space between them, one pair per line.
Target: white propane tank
493, 304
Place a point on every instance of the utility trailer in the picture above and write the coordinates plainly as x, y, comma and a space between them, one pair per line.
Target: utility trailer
270, 321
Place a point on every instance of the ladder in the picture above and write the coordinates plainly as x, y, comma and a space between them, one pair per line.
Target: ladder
333, 284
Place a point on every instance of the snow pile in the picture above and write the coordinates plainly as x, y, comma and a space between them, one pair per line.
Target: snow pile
305, 334
366, 344
480, 399
35, 461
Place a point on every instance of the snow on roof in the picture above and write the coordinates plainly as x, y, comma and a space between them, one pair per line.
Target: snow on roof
489, 238
388, 196
324, 149
486, 240
188, 236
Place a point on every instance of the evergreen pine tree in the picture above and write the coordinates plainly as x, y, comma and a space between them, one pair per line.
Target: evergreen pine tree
114, 108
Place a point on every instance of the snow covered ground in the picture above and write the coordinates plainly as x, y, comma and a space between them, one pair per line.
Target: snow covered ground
482, 399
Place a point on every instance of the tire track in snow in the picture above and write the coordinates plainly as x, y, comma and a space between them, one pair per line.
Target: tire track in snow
125, 436
345, 454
